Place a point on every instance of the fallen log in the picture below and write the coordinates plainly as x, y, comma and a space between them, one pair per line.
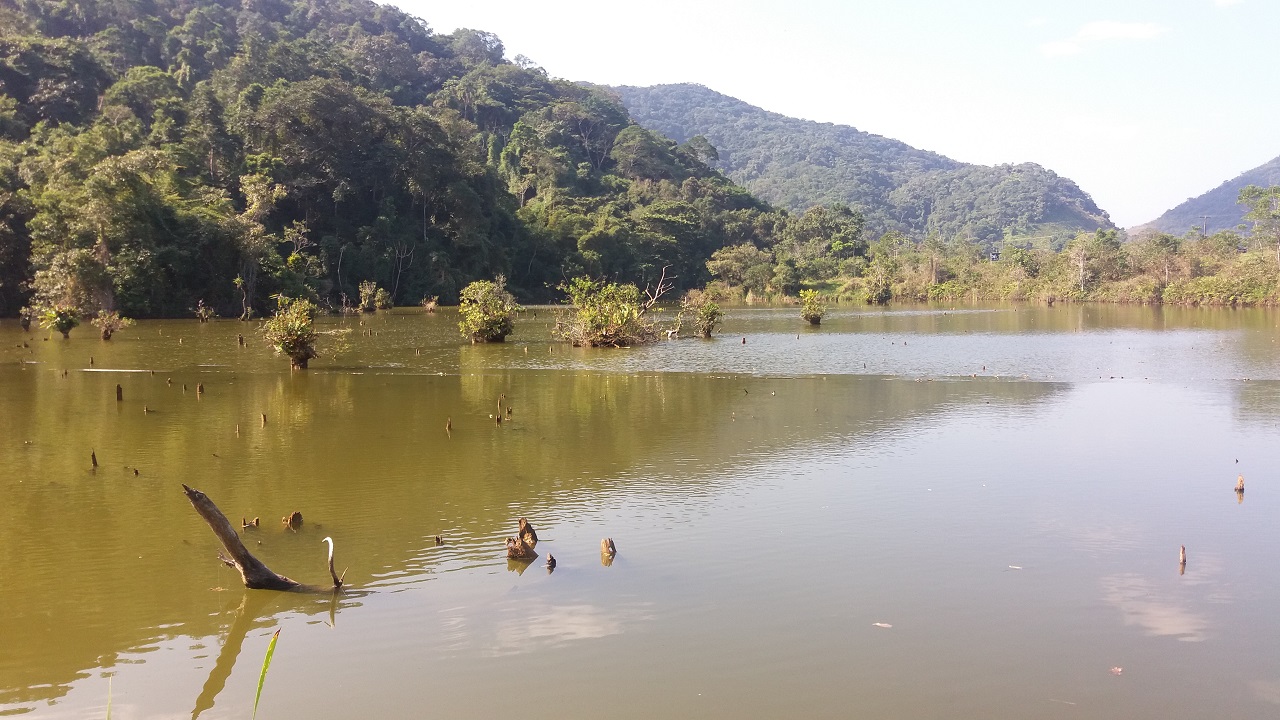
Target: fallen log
256, 576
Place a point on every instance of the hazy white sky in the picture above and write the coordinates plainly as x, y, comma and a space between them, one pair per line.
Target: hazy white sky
1144, 103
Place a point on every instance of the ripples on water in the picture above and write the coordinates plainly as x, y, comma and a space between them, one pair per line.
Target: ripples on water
771, 502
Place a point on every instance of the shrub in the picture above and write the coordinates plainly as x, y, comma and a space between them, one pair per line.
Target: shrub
63, 318
291, 331
608, 314
109, 321
488, 311
204, 313
382, 300
702, 311
811, 307
368, 294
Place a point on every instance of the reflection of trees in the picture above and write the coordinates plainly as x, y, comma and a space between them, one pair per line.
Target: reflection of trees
366, 459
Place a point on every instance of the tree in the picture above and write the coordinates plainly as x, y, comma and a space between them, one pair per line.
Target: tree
1264, 213
488, 311
734, 265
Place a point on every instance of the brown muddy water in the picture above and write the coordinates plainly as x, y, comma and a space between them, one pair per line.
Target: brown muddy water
912, 513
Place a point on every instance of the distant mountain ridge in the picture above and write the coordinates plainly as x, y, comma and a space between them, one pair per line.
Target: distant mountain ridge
800, 163
1219, 204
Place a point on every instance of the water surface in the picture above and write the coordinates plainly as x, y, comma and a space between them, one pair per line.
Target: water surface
1005, 488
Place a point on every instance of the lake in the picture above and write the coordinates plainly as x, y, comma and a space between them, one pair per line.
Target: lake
903, 513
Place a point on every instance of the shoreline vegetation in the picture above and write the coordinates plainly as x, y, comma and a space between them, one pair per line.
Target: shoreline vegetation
1223, 269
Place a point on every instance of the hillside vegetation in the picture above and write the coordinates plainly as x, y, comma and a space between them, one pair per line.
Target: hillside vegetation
157, 154
1219, 205
799, 164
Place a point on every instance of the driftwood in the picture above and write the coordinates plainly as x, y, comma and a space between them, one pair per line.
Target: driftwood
607, 551
256, 576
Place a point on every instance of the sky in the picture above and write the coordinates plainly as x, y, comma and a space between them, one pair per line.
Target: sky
1143, 103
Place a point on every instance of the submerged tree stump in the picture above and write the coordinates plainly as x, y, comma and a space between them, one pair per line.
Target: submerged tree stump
255, 575
518, 549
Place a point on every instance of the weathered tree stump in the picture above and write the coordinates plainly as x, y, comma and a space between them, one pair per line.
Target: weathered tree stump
518, 549
255, 575
527, 534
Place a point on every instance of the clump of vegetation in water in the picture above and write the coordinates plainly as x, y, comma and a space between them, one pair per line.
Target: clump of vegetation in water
431, 303
609, 314
63, 318
109, 321
204, 313
811, 307
382, 299
292, 332
702, 311
488, 311
368, 293
25, 316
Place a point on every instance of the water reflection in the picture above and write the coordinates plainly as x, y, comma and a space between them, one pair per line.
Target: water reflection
936, 482
1140, 602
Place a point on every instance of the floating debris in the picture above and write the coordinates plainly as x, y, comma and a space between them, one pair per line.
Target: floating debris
881, 625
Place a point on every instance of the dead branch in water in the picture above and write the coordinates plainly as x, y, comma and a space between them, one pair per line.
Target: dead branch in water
255, 575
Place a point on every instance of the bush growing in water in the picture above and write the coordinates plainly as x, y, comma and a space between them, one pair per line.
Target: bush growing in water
811, 307
488, 311
204, 313
608, 314
368, 295
291, 331
63, 318
109, 321
382, 300
704, 313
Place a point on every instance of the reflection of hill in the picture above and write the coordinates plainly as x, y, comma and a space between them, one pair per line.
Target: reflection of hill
111, 563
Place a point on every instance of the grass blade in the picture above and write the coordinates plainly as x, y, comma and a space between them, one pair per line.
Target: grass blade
266, 663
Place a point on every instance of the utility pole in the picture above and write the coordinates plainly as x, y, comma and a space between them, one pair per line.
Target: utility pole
1204, 227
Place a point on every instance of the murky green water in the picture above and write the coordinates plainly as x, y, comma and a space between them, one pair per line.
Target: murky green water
1007, 489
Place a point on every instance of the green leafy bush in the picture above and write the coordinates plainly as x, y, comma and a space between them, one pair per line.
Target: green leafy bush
608, 314
811, 307
109, 321
488, 311
291, 331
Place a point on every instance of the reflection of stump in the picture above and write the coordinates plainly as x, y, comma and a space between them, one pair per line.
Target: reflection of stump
294, 521
528, 535
518, 549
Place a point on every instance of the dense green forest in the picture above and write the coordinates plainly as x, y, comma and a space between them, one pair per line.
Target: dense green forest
1217, 209
798, 164
159, 153
166, 157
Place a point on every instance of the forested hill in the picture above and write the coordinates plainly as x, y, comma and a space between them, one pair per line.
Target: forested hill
799, 164
157, 153
1219, 204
